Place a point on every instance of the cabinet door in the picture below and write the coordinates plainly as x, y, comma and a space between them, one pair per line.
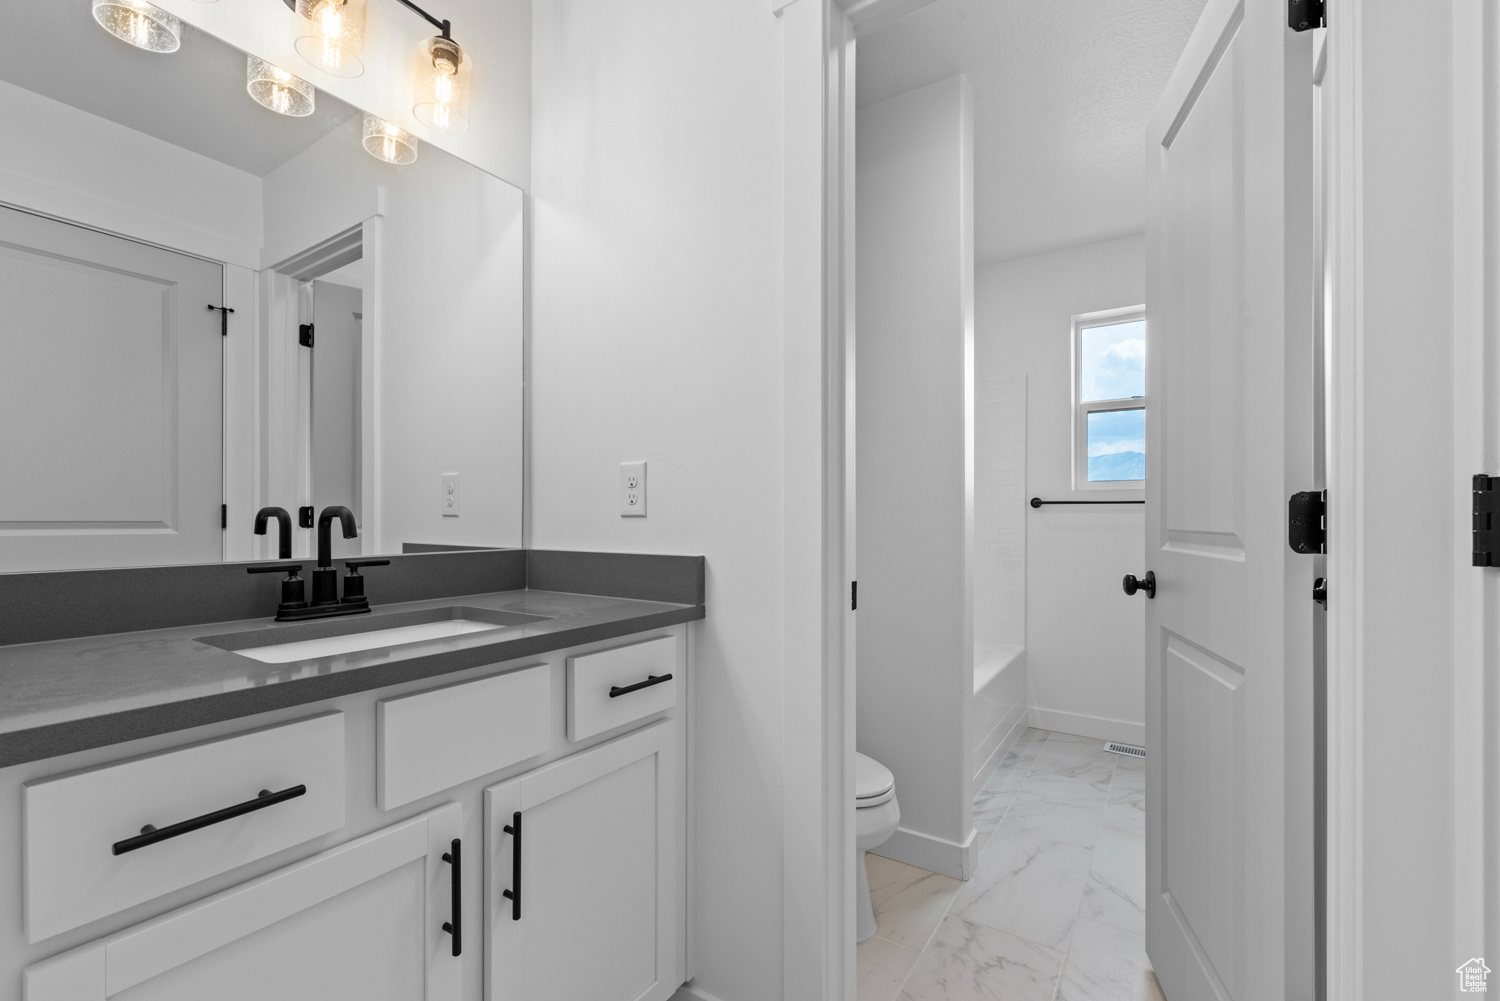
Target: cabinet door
599, 872
360, 922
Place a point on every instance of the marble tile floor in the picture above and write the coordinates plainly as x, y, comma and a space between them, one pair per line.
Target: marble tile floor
1055, 911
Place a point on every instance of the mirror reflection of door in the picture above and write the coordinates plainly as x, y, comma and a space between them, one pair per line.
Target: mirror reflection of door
111, 383
337, 318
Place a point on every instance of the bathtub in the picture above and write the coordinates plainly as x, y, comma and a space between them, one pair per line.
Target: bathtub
998, 710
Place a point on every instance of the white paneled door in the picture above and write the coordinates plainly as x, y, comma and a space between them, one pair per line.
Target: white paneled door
111, 388
1230, 263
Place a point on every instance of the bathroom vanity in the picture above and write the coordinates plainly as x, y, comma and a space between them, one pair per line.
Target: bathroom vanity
473, 787
495, 806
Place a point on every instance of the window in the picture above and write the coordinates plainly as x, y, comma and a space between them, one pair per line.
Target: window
1109, 390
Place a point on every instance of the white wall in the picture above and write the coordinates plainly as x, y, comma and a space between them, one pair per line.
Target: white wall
915, 432
445, 298
657, 335
495, 35
62, 161
1085, 639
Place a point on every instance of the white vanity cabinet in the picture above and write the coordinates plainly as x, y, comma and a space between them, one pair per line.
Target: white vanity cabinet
362, 922
582, 878
342, 892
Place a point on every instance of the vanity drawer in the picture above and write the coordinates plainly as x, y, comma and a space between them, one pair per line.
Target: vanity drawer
628, 673
75, 824
440, 738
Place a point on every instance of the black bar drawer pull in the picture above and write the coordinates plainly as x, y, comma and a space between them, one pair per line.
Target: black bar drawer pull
151, 835
616, 691
454, 857
514, 893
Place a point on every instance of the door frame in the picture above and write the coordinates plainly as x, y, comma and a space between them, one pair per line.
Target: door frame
1444, 912
819, 558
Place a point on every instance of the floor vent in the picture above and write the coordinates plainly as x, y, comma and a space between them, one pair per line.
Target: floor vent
1130, 749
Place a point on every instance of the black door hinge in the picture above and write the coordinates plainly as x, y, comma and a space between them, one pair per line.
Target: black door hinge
1486, 506
853, 595
224, 312
305, 334
305, 516
1306, 530
1304, 15
224, 516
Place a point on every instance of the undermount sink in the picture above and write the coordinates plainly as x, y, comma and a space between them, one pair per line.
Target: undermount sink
310, 641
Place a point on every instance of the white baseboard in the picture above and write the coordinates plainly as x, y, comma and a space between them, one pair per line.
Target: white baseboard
933, 854
1098, 727
687, 992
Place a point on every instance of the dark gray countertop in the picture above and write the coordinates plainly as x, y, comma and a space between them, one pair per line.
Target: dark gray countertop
69, 695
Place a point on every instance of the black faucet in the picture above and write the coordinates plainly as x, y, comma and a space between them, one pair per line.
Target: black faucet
325, 579
283, 522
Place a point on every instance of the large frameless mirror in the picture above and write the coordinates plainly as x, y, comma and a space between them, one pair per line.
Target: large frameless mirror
222, 289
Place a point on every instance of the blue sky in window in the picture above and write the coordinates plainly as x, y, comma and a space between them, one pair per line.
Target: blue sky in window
1112, 361
1117, 445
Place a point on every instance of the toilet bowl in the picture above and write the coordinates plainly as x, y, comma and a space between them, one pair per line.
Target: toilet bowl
876, 816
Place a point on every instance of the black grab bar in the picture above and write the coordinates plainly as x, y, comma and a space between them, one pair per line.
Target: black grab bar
1038, 502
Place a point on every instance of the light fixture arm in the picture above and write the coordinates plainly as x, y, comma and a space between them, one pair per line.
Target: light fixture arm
443, 26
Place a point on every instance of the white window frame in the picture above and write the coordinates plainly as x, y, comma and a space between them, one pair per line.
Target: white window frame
1081, 410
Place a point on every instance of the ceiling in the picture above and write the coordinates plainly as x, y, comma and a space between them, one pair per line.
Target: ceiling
194, 98
1062, 96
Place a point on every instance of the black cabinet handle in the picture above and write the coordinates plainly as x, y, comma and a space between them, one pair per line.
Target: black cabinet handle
454, 857
514, 893
151, 835
616, 691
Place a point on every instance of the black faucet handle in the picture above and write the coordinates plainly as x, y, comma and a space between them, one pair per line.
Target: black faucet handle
354, 581
291, 569
293, 594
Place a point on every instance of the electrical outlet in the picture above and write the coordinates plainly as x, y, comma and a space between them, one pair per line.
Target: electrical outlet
451, 495
632, 490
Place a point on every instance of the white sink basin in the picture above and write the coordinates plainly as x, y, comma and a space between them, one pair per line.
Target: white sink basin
328, 646
286, 644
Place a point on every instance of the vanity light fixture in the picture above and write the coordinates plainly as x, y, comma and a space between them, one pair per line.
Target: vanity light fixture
275, 88
144, 25
443, 75
331, 35
388, 142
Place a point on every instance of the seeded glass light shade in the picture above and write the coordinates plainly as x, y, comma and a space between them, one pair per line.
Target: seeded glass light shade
275, 88
143, 25
331, 35
388, 142
443, 74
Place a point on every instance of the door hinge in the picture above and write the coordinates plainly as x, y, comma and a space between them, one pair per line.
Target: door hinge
305, 334
224, 516
1486, 507
853, 595
1306, 530
224, 312
1303, 15
305, 516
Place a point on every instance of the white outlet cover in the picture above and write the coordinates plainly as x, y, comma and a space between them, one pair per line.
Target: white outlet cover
451, 496
632, 489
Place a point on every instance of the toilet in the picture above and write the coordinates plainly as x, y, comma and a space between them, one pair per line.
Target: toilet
876, 816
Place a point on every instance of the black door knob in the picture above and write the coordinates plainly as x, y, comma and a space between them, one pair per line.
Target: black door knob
1320, 590
1132, 584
